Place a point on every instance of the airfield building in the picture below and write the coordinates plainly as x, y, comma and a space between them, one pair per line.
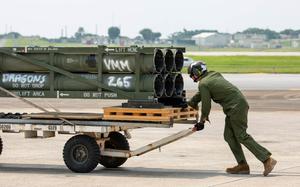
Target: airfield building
212, 39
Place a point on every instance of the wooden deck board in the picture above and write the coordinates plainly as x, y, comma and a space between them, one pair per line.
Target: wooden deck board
146, 114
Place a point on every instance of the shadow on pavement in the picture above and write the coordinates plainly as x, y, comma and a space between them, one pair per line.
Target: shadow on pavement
130, 172
118, 172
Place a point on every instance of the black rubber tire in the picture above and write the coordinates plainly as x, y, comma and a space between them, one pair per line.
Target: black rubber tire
117, 141
81, 146
1, 145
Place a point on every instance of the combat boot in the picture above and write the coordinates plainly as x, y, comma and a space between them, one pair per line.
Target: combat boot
269, 165
239, 169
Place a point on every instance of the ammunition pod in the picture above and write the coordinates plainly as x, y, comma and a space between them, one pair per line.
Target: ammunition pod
169, 85
147, 73
41, 81
168, 60
126, 63
178, 60
179, 84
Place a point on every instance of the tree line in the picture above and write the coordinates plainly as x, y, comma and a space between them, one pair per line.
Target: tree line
150, 36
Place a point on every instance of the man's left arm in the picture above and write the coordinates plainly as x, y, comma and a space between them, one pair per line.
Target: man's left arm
193, 102
206, 103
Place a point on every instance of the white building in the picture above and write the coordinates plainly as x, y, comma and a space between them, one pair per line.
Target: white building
250, 40
295, 43
212, 39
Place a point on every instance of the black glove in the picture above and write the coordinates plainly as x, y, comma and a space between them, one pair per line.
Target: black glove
199, 126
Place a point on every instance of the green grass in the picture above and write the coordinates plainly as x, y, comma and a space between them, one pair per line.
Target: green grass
25, 42
286, 48
251, 64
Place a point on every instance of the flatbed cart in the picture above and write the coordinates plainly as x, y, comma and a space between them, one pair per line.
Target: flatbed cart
149, 78
95, 141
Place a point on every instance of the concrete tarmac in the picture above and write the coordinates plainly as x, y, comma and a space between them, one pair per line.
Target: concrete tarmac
197, 160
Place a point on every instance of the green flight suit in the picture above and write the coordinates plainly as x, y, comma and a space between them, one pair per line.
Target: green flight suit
213, 86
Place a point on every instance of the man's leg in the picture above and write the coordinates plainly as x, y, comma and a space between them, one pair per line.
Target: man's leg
238, 122
235, 146
233, 143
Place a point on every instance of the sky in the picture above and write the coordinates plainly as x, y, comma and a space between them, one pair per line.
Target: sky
48, 17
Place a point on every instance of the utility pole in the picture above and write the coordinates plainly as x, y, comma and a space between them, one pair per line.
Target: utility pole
6, 28
66, 31
96, 29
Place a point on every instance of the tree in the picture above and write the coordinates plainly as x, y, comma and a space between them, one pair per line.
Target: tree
291, 32
13, 35
150, 36
156, 35
80, 33
269, 33
113, 33
146, 34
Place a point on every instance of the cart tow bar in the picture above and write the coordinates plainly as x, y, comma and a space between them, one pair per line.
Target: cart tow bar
147, 148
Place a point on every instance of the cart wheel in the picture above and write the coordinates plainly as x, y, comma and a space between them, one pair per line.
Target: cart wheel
81, 154
1, 145
117, 141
